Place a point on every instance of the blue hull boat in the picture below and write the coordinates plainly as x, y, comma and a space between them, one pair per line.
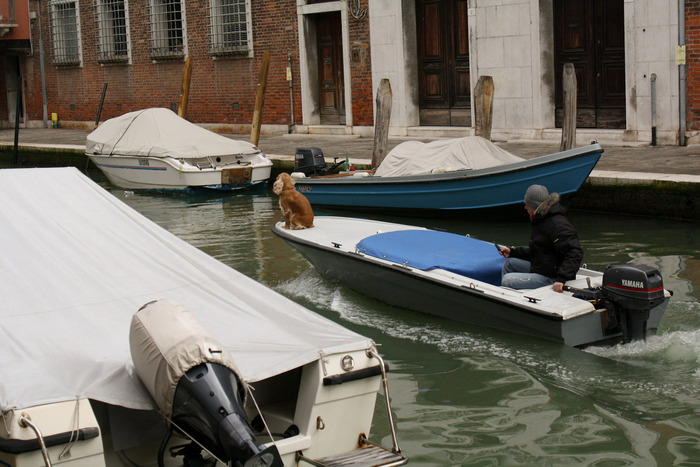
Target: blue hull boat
492, 187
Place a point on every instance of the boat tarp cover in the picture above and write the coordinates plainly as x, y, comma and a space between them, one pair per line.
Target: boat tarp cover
431, 249
77, 263
160, 132
468, 153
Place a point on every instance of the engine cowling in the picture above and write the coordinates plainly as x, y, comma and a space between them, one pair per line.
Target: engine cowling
195, 383
633, 290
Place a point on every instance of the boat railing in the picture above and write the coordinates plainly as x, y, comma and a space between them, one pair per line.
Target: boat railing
368, 453
201, 162
372, 353
25, 422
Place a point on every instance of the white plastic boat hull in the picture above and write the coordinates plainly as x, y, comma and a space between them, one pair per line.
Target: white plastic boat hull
331, 247
155, 173
77, 382
330, 419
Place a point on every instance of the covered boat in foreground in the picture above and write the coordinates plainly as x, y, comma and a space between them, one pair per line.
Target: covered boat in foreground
155, 149
123, 345
458, 278
450, 175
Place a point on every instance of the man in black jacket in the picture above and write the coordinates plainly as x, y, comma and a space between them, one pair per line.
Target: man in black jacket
554, 254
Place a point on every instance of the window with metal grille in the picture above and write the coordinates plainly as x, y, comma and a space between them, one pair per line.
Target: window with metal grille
231, 27
167, 19
8, 15
65, 32
113, 30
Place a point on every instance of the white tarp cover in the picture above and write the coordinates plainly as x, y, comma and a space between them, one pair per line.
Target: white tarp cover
159, 132
166, 341
77, 263
470, 152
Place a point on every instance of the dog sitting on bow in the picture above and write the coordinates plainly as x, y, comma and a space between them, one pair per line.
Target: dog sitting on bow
295, 207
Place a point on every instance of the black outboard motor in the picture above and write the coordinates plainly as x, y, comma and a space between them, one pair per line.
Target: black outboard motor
633, 290
208, 402
310, 161
195, 385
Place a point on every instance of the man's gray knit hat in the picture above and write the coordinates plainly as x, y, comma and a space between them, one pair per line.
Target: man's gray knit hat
535, 195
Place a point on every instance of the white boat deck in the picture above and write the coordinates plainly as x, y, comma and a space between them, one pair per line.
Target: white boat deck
345, 233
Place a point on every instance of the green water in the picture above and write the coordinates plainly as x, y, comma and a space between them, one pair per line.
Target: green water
463, 395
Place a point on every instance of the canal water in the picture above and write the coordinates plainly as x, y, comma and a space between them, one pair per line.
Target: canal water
463, 395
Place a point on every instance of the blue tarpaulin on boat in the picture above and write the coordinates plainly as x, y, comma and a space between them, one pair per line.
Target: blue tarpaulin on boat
430, 249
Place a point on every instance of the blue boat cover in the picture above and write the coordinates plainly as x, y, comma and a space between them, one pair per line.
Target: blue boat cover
430, 249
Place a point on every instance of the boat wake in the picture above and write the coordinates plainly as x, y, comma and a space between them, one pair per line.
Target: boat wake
673, 347
359, 310
635, 377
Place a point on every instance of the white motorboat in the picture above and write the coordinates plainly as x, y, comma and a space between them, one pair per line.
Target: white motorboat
458, 278
123, 345
155, 149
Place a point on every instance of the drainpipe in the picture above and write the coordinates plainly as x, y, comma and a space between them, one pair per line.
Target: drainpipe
290, 127
653, 109
682, 73
41, 65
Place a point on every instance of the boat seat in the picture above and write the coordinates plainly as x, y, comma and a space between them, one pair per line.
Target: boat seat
431, 249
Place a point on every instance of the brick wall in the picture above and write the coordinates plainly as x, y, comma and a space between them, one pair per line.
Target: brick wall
692, 28
221, 91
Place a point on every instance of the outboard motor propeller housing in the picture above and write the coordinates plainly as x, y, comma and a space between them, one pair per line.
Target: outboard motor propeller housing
634, 290
310, 161
208, 401
195, 383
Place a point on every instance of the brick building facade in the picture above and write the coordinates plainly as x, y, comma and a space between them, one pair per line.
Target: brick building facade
339, 51
692, 29
222, 88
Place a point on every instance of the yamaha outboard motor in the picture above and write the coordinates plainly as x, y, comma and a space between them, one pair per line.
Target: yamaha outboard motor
195, 385
310, 161
633, 290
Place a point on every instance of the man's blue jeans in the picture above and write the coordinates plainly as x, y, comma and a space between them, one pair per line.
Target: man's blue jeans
516, 275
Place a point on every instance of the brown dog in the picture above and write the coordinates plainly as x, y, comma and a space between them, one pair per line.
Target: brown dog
295, 207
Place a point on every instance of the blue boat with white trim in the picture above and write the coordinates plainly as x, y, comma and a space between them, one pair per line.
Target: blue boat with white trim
447, 178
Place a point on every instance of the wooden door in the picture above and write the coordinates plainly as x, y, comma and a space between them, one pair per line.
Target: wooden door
443, 62
590, 34
330, 69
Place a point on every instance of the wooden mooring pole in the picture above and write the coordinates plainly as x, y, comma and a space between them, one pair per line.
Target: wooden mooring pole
260, 99
483, 101
185, 94
381, 124
568, 127
99, 109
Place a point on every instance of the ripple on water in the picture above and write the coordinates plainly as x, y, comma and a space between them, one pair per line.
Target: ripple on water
463, 395
643, 378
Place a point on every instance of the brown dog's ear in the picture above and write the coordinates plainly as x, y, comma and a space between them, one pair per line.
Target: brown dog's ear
286, 179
